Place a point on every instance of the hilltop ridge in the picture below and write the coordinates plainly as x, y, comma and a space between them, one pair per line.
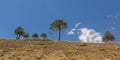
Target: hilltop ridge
57, 50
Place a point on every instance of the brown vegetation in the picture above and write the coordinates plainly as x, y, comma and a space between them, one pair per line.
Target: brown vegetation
57, 50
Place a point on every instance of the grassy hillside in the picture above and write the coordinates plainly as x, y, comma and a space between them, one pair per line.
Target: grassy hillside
11, 49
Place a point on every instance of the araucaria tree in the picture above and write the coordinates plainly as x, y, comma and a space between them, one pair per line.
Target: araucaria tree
35, 35
43, 35
58, 25
19, 31
108, 37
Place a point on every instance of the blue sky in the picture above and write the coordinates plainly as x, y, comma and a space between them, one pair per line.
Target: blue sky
36, 16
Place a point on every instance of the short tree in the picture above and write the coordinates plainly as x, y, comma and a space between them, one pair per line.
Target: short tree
108, 37
26, 35
58, 25
43, 35
19, 31
35, 35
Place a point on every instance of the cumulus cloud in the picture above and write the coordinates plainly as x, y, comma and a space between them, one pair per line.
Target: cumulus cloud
86, 34
72, 31
90, 35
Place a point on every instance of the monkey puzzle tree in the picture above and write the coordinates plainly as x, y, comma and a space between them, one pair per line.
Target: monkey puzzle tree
108, 37
58, 25
19, 31
43, 35
35, 35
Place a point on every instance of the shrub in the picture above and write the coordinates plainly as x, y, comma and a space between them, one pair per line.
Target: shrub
43, 35
26, 35
35, 35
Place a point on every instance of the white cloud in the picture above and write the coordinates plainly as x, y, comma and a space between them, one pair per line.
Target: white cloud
85, 34
72, 31
90, 35
76, 25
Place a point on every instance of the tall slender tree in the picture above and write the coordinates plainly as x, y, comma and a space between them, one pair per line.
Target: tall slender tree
19, 31
58, 25
108, 37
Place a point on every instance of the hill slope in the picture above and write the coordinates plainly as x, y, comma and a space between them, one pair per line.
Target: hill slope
56, 50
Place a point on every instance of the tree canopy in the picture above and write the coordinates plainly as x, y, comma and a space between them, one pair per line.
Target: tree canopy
19, 31
58, 25
26, 35
43, 35
108, 37
35, 35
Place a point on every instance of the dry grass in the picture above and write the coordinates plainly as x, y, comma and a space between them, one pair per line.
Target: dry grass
11, 49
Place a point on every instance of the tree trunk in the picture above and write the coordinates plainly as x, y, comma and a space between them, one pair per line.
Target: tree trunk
59, 34
18, 36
